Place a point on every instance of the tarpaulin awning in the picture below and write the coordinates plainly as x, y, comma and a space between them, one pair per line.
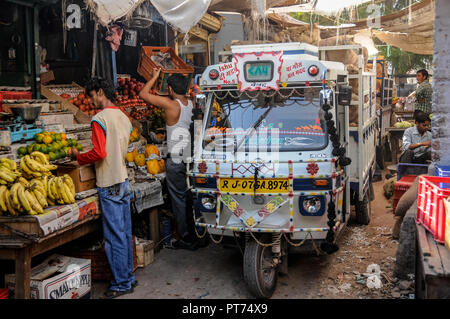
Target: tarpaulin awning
180, 14
324, 7
406, 42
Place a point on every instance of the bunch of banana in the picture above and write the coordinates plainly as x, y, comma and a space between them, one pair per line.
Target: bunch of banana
61, 190
20, 199
35, 165
8, 171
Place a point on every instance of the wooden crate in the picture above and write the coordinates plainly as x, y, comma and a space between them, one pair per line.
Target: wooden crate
49, 92
144, 252
83, 176
146, 66
100, 269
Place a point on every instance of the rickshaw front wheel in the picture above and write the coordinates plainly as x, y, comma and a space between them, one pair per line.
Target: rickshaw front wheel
260, 272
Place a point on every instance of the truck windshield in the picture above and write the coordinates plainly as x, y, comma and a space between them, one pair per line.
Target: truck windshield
288, 120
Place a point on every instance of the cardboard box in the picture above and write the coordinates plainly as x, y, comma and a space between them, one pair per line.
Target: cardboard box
58, 277
83, 176
144, 252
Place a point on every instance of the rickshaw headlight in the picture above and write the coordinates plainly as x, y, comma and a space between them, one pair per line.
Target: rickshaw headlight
209, 202
312, 205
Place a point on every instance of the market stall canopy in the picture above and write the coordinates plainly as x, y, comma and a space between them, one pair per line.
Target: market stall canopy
410, 29
180, 14
246, 5
324, 7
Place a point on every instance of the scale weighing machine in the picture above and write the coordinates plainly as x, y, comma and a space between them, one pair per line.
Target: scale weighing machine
23, 123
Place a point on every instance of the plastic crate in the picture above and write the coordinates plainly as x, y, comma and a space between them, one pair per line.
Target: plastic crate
447, 222
4, 293
401, 186
443, 171
16, 95
430, 205
146, 66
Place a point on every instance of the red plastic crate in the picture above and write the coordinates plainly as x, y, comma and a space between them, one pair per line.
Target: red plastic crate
430, 205
401, 186
4, 293
16, 95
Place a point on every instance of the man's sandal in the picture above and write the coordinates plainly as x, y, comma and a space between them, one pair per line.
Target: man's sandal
111, 294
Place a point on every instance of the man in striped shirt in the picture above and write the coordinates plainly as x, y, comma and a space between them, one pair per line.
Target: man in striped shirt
423, 93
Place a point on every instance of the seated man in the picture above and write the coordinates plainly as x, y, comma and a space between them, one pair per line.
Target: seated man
417, 141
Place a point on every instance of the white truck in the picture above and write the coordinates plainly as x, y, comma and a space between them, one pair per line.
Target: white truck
271, 166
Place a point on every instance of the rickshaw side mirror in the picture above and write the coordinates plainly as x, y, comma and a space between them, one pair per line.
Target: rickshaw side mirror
328, 95
345, 95
200, 102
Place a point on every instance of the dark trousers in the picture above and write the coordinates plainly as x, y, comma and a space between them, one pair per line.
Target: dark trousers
408, 157
181, 198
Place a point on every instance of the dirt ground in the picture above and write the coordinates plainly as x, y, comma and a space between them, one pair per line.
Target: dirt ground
216, 271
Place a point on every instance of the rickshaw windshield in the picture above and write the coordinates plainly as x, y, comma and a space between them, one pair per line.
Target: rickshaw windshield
287, 120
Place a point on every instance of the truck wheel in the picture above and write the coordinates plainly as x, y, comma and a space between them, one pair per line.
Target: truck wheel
362, 210
260, 273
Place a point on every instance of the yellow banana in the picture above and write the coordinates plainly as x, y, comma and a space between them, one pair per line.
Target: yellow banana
40, 198
14, 196
65, 192
49, 189
23, 181
33, 165
11, 209
24, 167
6, 175
3, 207
45, 182
12, 165
23, 199
69, 182
50, 202
50, 167
3, 182
39, 184
40, 157
34, 202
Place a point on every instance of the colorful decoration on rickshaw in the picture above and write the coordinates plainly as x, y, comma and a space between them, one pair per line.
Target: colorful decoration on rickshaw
202, 167
312, 168
250, 221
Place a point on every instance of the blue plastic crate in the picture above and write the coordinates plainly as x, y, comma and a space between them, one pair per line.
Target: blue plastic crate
443, 171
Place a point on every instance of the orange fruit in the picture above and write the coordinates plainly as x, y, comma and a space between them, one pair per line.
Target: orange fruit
139, 160
151, 149
47, 139
63, 136
153, 167
130, 157
161, 166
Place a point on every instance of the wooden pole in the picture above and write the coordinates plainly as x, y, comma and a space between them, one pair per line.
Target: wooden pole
94, 50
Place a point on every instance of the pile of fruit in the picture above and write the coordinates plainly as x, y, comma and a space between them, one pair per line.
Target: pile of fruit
129, 87
83, 102
54, 145
135, 136
31, 187
140, 114
157, 119
128, 102
403, 124
154, 165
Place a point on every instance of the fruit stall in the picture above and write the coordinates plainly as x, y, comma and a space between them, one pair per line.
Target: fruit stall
47, 200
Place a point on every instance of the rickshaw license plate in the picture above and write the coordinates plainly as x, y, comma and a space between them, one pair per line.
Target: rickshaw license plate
246, 185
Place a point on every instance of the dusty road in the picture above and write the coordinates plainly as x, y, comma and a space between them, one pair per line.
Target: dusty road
216, 272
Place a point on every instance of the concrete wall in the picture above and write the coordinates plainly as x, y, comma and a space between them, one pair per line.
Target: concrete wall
441, 84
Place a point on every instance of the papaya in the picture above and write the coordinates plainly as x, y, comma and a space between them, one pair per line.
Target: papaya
161, 166
151, 149
153, 167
